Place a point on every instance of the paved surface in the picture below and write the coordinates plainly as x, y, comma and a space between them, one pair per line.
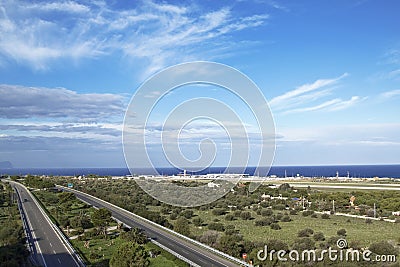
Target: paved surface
183, 247
49, 249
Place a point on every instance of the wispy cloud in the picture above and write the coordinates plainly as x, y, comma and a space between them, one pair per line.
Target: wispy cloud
390, 94
305, 98
35, 102
157, 33
302, 93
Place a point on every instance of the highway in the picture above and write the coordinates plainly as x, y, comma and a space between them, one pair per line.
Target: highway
48, 248
196, 254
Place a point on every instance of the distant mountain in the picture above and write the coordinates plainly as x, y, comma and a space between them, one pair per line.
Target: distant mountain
5, 165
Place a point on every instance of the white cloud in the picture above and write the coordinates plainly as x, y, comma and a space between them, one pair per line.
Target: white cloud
161, 34
305, 98
35, 102
281, 101
343, 104
66, 6
390, 94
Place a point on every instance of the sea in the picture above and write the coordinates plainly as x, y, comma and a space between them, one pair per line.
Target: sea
354, 171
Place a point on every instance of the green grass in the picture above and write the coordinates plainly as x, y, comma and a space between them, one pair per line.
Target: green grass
357, 229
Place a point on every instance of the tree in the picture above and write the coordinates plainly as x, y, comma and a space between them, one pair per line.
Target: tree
231, 244
182, 226
134, 235
101, 219
129, 255
210, 238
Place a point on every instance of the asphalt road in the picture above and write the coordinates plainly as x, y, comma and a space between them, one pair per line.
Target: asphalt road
50, 250
183, 247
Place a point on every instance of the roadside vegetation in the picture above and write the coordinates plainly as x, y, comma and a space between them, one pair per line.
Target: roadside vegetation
281, 216
13, 251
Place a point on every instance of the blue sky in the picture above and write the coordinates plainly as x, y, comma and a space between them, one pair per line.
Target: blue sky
330, 71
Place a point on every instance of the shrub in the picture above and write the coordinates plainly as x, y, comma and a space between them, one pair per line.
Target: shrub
319, 236
324, 216
230, 217
237, 213
314, 215
218, 212
368, 221
341, 232
266, 212
286, 218
308, 212
277, 244
304, 243
197, 221
216, 226
264, 221
275, 226
383, 248
293, 212
279, 207
187, 214
173, 216
305, 232
245, 215
210, 238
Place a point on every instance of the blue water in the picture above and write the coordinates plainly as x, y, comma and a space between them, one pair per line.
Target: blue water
392, 171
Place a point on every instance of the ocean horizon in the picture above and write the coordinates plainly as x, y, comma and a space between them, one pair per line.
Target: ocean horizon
355, 171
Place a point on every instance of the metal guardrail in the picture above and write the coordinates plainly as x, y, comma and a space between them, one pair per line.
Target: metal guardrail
26, 228
215, 251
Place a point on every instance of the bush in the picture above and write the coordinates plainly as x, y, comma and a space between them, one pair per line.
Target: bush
276, 244
230, 217
308, 213
305, 232
279, 216
187, 214
286, 218
293, 212
341, 232
368, 221
218, 212
275, 226
314, 216
383, 248
279, 207
304, 243
324, 216
319, 236
197, 221
216, 226
245, 215
264, 221
266, 212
